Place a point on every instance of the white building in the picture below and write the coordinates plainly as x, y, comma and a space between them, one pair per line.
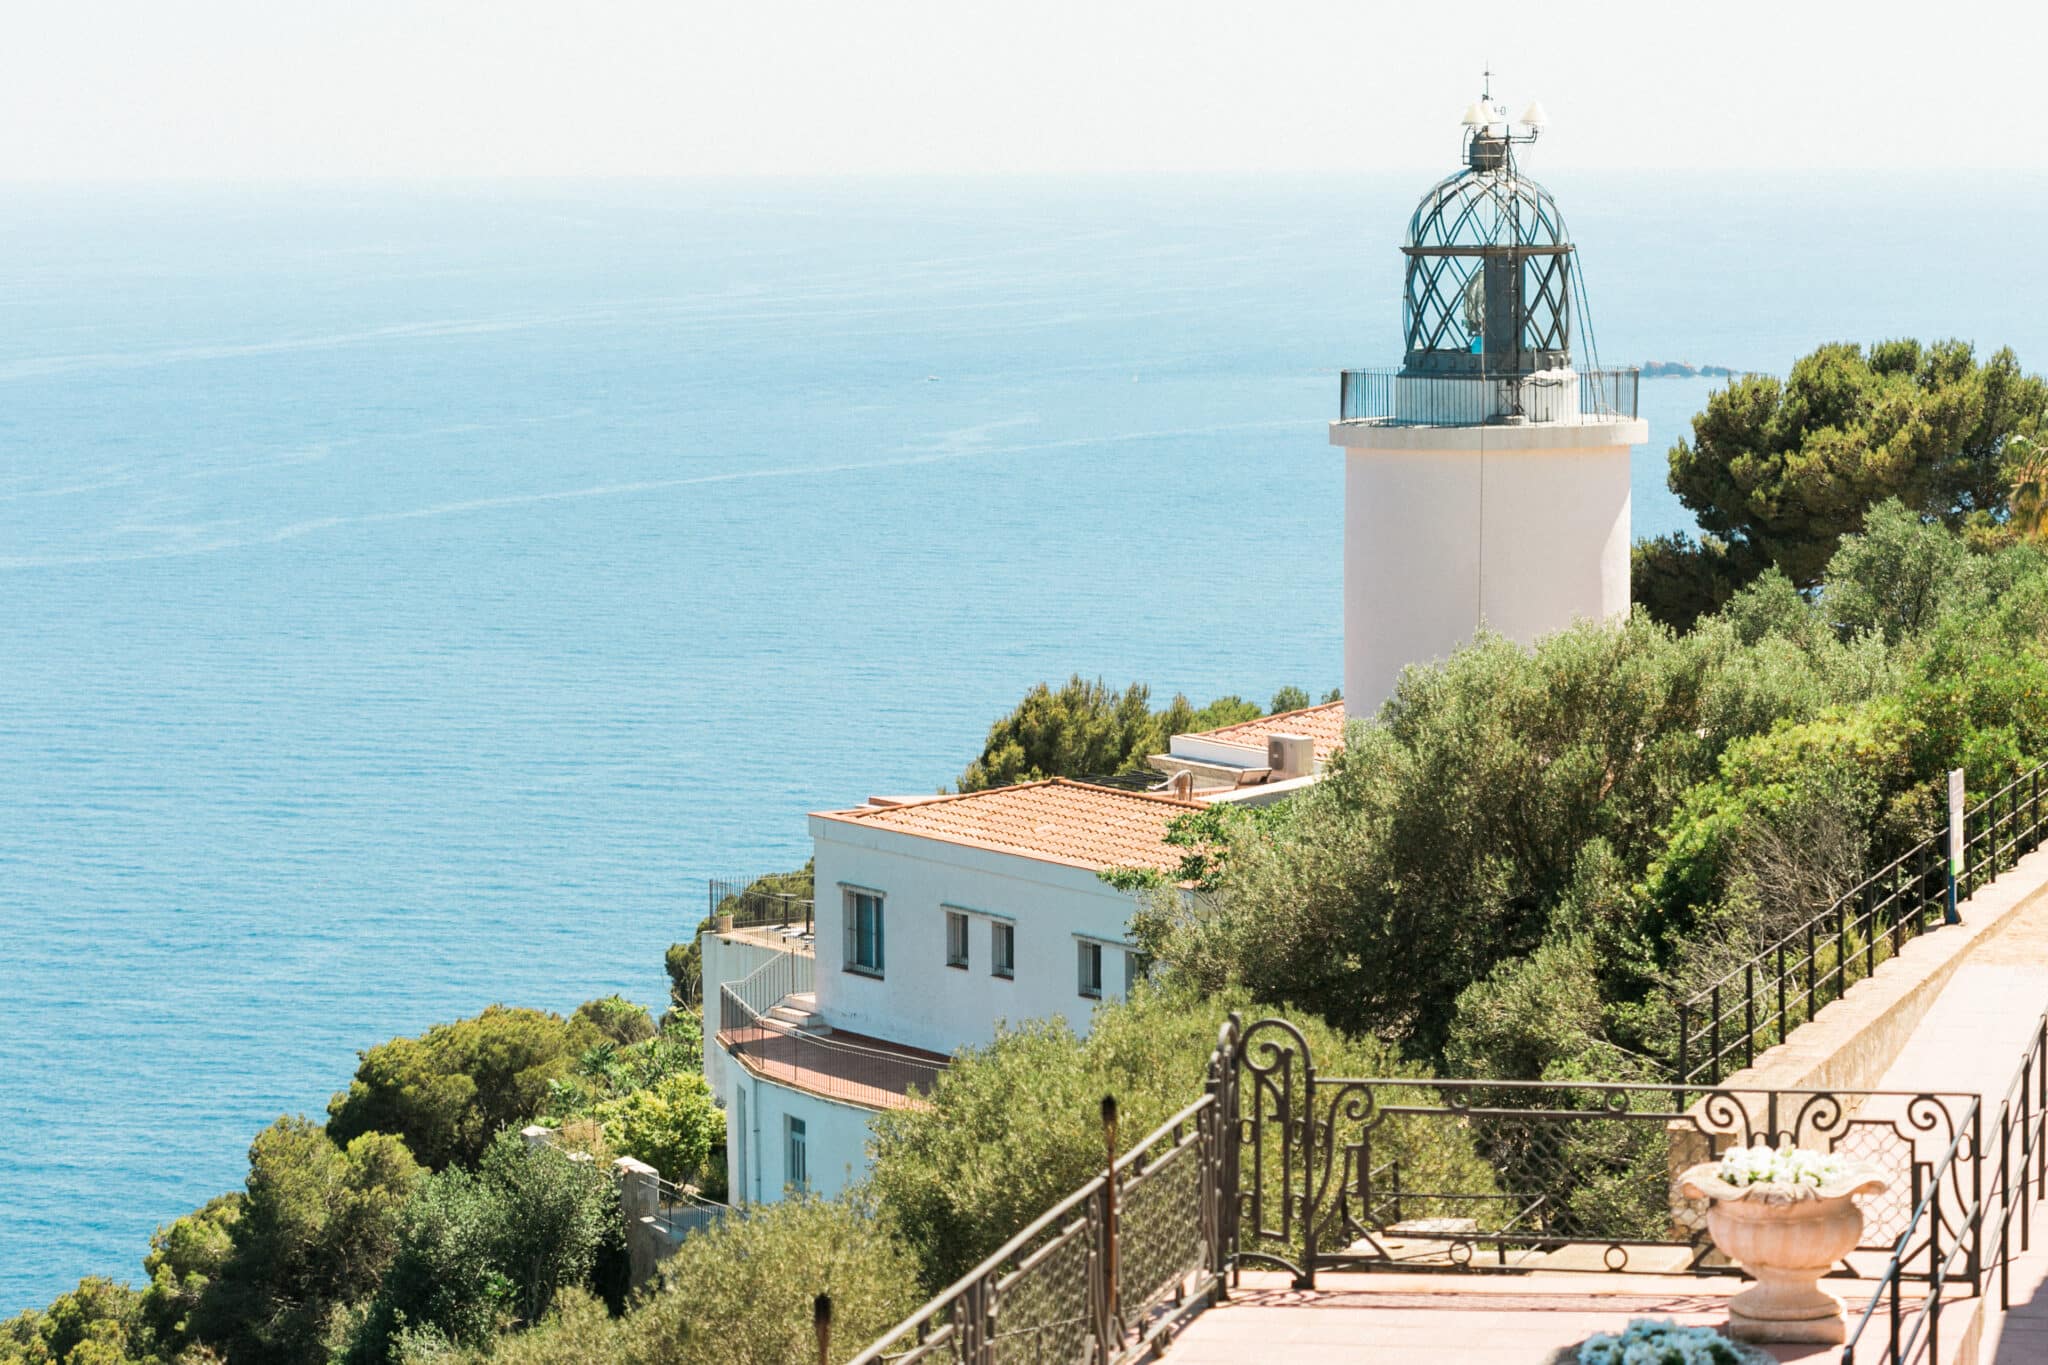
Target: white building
1487, 480
935, 921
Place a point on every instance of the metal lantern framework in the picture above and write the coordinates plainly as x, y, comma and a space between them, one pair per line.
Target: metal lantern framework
1491, 271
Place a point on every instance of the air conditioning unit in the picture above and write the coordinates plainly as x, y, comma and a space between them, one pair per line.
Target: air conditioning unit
1290, 756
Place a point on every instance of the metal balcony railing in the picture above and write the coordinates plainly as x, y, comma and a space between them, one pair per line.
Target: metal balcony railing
1454, 400
752, 908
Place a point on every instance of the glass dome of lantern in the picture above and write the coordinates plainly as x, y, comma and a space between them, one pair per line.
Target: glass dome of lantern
1490, 270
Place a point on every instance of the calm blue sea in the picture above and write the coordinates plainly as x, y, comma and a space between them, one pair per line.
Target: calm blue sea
408, 596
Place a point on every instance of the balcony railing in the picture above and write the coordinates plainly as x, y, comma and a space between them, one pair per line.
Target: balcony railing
877, 1077
787, 973
1391, 398
753, 908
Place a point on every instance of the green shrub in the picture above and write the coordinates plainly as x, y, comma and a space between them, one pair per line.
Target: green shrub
617, 1018
742, 1294
671, 1125
451, 1090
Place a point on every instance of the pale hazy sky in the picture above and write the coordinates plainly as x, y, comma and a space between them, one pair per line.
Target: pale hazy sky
113, 89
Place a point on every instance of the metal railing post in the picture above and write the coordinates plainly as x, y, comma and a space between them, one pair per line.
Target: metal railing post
2005, 1206
1977, 1197
1714, 1030
1749, 1013
1812, 965
1932, 1306
1112, 1328
1782, 1027
1684, 1037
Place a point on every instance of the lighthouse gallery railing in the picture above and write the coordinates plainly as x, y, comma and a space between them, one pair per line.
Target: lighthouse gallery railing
1456, 400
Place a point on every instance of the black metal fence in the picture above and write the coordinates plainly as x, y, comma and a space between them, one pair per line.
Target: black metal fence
1277, 1164
1725, 1026
1952, 1243
1568, 1176
1101, 1277
680, 1212
1457, 400
752, 907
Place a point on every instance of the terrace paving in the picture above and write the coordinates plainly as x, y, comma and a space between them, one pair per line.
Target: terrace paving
1399, 1319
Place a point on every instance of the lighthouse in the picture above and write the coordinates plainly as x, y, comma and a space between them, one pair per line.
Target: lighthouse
1486, 481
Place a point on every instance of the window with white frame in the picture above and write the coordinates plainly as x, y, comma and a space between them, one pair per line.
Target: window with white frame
956, 939
1002, 949
1091, 970
863, 931
799, 1157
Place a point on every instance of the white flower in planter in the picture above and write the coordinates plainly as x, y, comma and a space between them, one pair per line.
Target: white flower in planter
1787, 1165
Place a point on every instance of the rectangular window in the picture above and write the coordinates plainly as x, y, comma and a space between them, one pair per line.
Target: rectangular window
1002, 949
1091, 970
1137, 966
799, 1156
863, 932
956, 939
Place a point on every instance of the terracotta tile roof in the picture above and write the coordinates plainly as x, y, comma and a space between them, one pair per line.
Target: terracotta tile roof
1075, 824
1324, 724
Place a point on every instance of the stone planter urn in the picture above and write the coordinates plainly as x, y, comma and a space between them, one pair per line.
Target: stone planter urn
722, 924
1786, 1235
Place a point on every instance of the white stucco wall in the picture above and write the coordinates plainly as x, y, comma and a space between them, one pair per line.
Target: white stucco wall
756, 1136
725, 959
920, 1000
1523, 529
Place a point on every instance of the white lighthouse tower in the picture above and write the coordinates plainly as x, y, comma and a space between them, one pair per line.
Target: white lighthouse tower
1486, 481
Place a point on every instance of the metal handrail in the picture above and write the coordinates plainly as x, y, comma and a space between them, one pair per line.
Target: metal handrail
937, 1322
1756, 1005
789, 972
752, 909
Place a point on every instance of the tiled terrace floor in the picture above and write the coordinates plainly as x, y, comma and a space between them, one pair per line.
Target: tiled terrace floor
1413, 1319
871, 1072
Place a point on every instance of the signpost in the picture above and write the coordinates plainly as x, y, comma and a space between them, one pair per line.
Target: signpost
1955, 842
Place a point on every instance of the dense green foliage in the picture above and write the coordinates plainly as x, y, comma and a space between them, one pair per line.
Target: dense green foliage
1578, 829
670, 1124
1087, 729
98, 1323
480, 1252
742, 1294
1778, 471
449, 1091
346, 1246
